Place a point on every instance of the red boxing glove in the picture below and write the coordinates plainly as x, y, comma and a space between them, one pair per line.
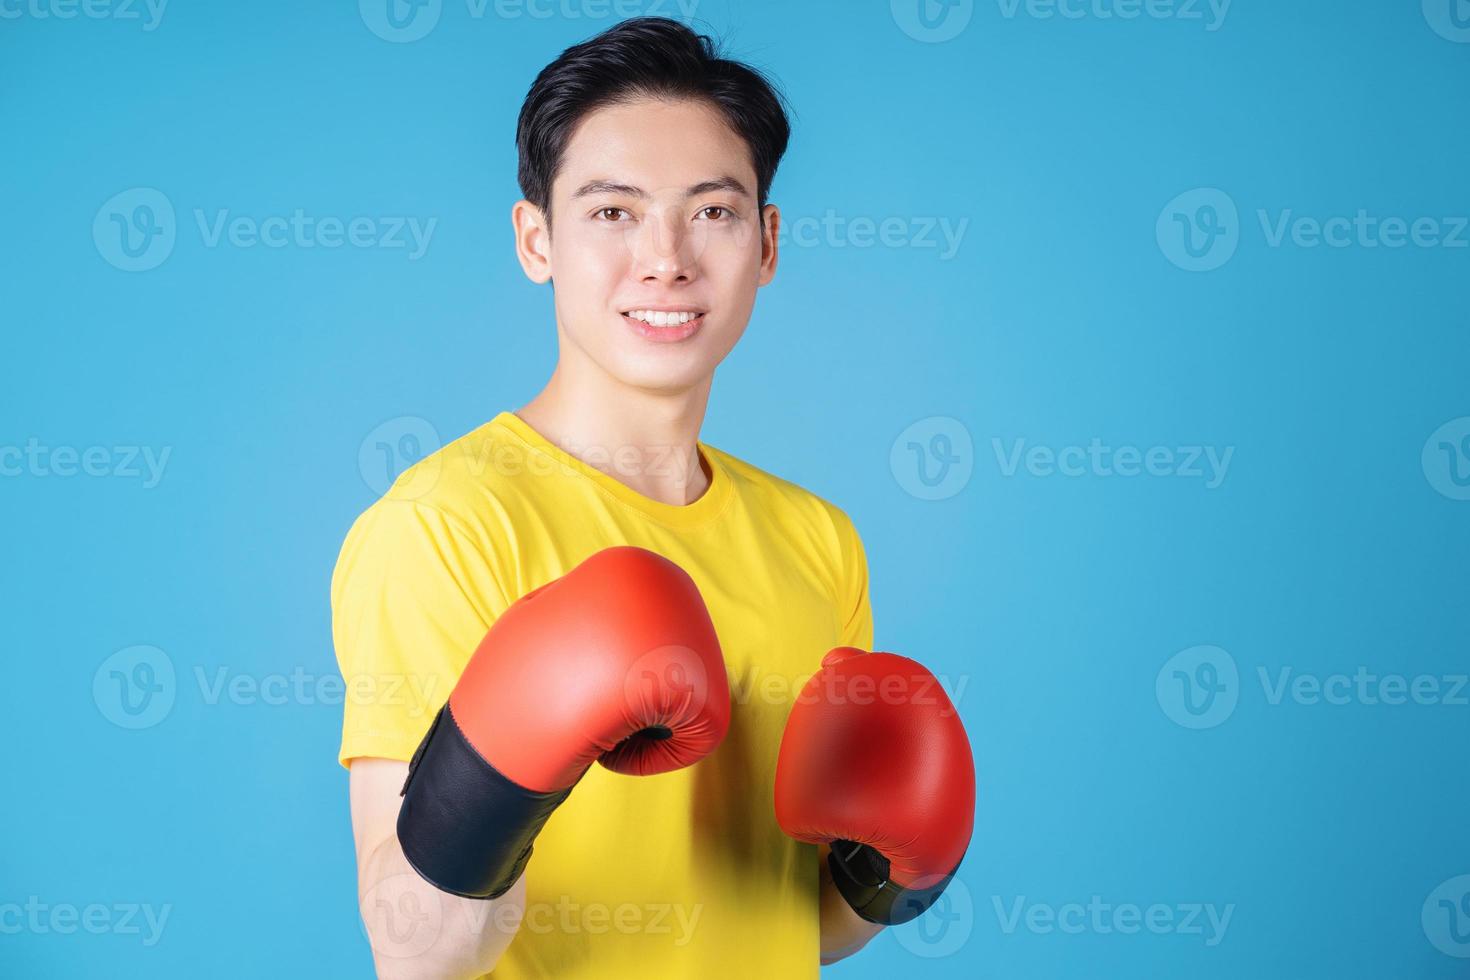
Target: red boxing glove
615, 662
875, 762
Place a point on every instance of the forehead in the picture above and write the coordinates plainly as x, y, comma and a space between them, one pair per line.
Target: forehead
653, 144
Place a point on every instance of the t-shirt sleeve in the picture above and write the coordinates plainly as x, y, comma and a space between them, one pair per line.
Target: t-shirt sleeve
412, 596
856, 608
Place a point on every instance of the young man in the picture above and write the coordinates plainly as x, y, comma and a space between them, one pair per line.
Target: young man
646, 161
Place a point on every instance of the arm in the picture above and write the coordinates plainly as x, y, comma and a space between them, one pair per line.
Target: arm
516, 736
844, 932
416, 930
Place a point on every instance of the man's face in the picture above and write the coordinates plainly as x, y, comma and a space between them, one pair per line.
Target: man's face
654, 213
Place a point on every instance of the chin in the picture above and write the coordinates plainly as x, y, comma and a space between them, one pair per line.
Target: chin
661, 374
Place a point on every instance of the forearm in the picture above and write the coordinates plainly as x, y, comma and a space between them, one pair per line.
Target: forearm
844, 932
418, 932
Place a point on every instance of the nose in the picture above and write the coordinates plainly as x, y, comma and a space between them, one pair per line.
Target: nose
664, 249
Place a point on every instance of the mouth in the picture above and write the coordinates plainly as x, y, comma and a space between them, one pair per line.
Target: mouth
666, 325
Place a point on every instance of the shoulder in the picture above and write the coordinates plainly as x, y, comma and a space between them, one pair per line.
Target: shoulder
787, 501
446, 508
440, 521
466, 480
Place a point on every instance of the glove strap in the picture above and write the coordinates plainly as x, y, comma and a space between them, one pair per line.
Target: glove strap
861, 875
464, 827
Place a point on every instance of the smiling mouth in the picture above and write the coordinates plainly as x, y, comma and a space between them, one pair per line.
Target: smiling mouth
662, 318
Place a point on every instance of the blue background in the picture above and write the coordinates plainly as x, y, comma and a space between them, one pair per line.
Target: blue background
1063, 317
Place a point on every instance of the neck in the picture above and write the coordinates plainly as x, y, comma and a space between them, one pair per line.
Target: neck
644, 439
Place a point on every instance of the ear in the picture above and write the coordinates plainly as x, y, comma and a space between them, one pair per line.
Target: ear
533, 240
770, 229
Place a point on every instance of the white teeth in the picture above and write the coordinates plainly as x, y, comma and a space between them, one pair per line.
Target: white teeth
661, 319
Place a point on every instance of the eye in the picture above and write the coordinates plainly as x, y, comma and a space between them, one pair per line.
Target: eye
723, 212
610, 214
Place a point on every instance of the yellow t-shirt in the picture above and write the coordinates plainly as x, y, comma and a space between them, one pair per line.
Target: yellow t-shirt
684, 874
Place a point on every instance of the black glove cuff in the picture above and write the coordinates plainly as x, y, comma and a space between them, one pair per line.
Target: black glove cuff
861, 876
464, 827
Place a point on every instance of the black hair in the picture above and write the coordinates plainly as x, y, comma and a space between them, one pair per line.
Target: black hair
638, 58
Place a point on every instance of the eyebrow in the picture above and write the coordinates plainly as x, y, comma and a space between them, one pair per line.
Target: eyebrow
628, 190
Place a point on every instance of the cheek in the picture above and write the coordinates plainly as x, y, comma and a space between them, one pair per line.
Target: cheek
587, 265
732, 263
746, 239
